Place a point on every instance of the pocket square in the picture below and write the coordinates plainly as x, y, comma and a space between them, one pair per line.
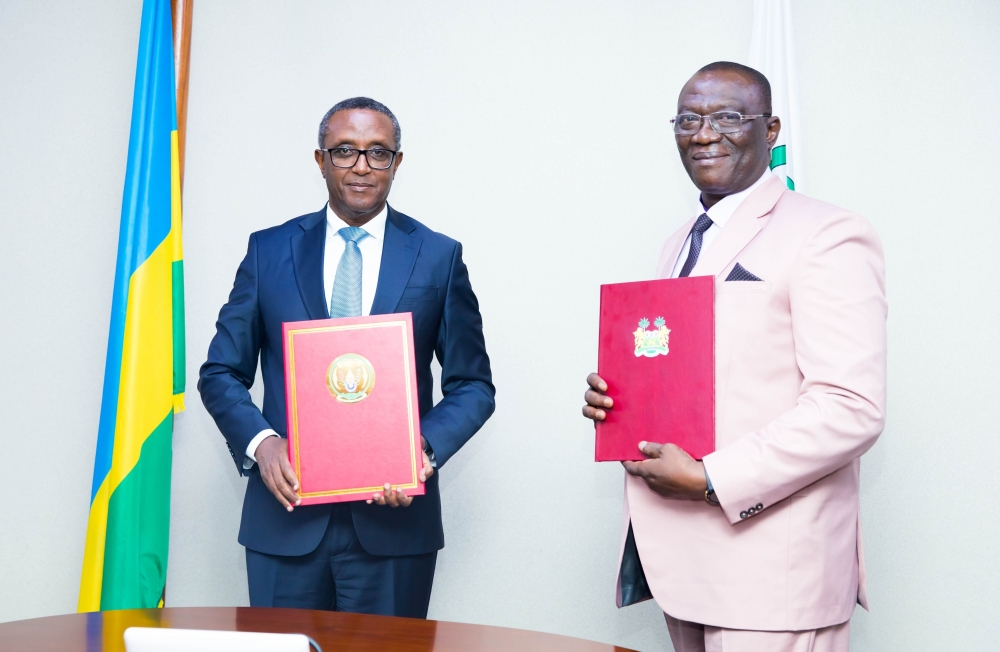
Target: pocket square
740, 273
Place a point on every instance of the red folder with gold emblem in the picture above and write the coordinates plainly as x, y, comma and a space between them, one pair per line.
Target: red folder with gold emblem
657, 355
353, 418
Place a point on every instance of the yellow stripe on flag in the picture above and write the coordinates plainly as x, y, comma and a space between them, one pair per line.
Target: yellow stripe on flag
177, 257
145, 397
146, 390
177, 250
93, 558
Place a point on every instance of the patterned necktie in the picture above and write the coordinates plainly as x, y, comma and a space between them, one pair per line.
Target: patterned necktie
697, 234
345, 300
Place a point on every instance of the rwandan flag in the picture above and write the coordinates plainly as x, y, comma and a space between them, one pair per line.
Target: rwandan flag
125, 561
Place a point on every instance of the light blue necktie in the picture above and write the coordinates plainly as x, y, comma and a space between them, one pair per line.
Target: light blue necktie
345, 300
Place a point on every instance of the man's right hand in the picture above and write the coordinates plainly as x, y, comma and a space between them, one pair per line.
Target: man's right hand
597, 401
276, 471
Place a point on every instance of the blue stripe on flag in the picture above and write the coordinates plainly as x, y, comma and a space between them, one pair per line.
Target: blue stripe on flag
145, 220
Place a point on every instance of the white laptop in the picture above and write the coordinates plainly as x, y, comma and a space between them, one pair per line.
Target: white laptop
154, 639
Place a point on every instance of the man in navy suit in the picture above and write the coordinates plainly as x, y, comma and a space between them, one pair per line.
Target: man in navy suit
356, 256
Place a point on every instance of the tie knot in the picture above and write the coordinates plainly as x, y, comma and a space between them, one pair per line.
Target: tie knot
702, 224
353, 234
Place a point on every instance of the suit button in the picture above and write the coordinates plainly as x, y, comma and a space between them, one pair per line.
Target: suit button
759, 507
743, 514
752, 511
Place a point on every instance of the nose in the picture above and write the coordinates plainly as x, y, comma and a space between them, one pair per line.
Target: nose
361, 165
706, 134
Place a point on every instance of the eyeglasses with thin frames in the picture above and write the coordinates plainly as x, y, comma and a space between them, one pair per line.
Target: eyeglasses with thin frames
722, 122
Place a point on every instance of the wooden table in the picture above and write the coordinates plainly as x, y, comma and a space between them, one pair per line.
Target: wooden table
102, 631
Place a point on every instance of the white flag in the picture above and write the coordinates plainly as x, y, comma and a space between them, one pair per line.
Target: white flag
772, 53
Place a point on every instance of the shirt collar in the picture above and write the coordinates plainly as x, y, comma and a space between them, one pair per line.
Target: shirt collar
375, 227
725, 207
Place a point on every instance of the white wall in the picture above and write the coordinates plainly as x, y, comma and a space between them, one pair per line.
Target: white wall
897, 100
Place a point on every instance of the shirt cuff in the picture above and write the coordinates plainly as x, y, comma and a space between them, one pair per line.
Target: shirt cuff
248, 458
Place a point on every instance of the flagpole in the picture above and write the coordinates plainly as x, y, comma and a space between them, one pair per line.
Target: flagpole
181, 10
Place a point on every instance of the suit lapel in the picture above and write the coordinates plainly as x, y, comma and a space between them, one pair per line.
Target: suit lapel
745, 223
308, 246
399, 253
669, 261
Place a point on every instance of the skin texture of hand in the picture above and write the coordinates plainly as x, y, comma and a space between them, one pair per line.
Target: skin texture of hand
597, 402
276, 471
397, 498
279, 477
670, 471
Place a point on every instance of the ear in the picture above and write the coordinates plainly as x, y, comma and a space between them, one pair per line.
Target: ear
395, 165
773, 129
318, 155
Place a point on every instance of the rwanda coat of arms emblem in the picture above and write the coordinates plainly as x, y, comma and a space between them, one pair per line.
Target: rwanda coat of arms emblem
350, 378
651, 343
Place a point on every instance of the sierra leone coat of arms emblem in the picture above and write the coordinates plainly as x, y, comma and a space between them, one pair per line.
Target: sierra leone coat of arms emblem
651, 343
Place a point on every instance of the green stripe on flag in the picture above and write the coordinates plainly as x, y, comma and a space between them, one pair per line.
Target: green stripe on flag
790, 183
778, 156
135, 555
178, 326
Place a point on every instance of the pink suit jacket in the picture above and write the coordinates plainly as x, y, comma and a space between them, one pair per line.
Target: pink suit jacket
800, 384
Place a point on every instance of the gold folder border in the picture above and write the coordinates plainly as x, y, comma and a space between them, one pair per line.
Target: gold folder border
409, 405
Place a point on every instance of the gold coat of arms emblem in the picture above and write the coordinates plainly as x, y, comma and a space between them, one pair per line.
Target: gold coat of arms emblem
651, 343
350, 378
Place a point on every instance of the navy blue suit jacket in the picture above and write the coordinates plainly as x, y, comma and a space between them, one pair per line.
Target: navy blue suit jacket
281, 279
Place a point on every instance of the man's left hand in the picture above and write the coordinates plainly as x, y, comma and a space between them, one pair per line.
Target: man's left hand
396, 498
670, 472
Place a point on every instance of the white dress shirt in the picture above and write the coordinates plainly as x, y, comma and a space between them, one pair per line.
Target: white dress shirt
371, 256
371, 262
719, 214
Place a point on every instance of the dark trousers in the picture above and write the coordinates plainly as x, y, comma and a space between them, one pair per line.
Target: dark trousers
340, 576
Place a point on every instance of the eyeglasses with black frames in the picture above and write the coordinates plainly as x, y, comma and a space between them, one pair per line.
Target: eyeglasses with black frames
347, 157
722, 122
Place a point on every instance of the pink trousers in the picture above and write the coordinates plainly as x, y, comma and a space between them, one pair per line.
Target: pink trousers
692, 637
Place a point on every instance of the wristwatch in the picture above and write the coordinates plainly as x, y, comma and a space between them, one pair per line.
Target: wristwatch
710, 497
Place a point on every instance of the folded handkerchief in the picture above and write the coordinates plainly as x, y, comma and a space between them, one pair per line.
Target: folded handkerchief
740, 273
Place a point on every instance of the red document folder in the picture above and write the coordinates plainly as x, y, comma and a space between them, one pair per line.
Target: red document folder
657, 355
353, 420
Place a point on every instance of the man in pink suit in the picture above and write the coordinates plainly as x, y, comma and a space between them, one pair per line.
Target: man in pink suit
758, 546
